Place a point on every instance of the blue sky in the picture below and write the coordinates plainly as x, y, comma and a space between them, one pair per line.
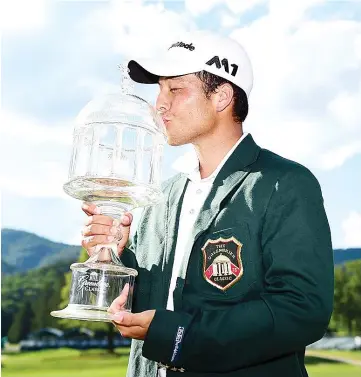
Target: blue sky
57, 55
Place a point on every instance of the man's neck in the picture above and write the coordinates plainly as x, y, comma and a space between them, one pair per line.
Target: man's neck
212, 149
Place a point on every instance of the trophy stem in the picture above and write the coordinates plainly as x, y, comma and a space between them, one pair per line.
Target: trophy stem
97, 282
108, 253
113, 209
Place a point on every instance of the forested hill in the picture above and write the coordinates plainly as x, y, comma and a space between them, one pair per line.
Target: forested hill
23, 251
345, 255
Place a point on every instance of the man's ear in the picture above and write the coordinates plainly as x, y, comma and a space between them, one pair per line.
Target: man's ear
224, 96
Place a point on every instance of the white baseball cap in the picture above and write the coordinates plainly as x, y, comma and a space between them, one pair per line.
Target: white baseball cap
194, 52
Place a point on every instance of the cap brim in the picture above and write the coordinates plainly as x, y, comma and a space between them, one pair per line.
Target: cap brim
148, 71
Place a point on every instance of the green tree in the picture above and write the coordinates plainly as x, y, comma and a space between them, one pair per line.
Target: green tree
347, 297
40, 287
354, 292
21, 325
46, 300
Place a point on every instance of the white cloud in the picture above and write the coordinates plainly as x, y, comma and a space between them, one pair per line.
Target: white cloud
307, 87
35, 157
238, 7
22, 15
137, 29
345, 108
97, 87
32, 131
196, 8
199, 7
352, 230
336, 157
228, 20
286, 14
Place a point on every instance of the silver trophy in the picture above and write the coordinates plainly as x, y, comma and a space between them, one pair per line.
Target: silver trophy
116, 164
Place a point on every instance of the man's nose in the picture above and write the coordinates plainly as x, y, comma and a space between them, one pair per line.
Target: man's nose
162, 103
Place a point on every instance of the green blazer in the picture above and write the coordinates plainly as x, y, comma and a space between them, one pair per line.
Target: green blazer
256, 286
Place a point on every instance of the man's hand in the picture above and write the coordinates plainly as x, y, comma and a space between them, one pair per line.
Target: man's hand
130, 325
134, 326
101, 229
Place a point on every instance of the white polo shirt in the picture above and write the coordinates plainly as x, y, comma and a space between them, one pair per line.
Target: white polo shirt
194, 198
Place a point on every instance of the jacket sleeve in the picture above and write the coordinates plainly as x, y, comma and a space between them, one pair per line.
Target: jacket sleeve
292, 312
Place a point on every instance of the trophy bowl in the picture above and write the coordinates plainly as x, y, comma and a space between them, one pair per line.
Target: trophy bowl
116, 164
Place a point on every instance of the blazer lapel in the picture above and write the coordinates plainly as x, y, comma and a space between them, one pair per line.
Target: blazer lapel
234, 171
174, 205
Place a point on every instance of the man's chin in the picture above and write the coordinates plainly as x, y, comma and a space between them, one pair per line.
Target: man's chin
175, 142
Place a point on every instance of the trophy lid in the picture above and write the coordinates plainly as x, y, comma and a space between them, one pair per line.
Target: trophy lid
122, 107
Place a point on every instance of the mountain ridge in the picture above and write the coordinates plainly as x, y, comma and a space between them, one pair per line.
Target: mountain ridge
23, 251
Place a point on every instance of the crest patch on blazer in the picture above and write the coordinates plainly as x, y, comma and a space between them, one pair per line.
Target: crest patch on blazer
222, 264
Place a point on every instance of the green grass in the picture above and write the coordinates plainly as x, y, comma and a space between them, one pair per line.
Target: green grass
72, 363
65, 362
349, 355
318, 367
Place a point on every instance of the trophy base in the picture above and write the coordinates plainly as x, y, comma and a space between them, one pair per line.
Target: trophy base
83, 313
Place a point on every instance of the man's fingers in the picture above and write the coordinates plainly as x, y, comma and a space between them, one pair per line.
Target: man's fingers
125, 292
90, 209
127, 319
91, 241
101, 229
118, 304
134, 332
96, 229
132, 325
126, 219
100, 219
123, 235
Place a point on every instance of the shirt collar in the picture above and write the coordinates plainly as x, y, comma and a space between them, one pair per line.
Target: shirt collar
189, 164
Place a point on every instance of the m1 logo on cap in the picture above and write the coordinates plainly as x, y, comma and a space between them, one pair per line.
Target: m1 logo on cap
215, 60
189, 46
